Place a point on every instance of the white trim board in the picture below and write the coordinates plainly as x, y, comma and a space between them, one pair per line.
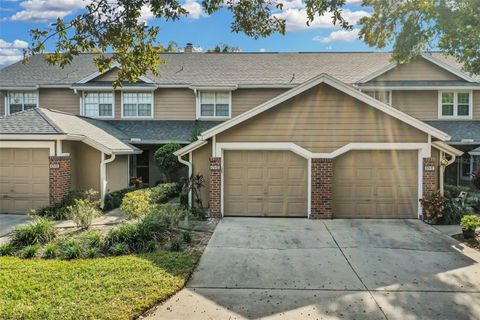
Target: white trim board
50, 145
337, 84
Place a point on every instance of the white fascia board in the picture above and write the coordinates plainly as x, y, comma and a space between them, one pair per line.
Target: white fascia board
100, 88
19, 88
442, 146
267, 86
24, 137
188, 148
419, 88
337, 84
448, 67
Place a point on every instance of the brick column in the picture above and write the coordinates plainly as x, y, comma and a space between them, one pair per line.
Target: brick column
60, 177
214, 199
429, 176
322, 180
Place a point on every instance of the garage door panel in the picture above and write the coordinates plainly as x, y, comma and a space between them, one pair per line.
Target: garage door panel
24, 181
276, 183
375, 184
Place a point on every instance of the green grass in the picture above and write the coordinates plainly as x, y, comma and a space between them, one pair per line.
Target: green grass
105, 288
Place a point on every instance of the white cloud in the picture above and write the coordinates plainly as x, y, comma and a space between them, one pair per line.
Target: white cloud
295, 16
11, 52
340, 35
262, 50
44, 10
194, 9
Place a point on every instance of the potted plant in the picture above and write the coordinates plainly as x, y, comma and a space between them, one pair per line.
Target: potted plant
469, 223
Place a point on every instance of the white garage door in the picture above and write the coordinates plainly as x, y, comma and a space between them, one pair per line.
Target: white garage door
24, 180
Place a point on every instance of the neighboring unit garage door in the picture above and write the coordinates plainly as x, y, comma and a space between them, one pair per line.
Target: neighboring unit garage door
375, 184
24, 180
265, 183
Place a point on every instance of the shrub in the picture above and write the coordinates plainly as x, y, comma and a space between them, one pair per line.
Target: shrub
176, 244
151, 246
51, 251
70, 248
57, 212
119, 249
433, 205
170, 214
29, 251
137, 203
91, 239
39, 231
470, 222
79, 194
200, 213
83, 212
166, 160
187, 236
184, 198
114, 199
124, 233
164, 192
6, 250
92, 252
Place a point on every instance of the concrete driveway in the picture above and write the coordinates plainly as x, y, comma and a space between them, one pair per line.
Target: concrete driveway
336, 269
9, 221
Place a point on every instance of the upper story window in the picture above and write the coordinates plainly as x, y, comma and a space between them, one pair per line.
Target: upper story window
137, 105
22, 100
214, 104
98, 104
454, 104
384, 96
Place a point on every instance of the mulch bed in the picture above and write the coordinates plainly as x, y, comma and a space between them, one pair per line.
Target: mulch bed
468, 242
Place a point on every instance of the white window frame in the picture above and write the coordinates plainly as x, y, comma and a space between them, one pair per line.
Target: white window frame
138, 117
82, 103
455, 104
375, 94
198, 100
7, 100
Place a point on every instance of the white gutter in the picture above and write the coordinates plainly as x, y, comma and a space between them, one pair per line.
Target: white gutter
190, 172
103, 177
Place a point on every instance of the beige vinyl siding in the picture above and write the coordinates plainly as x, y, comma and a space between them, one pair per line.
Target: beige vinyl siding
60, 99
417, 70
476, 104
117, 173
118, 105
322, 119
174, 104
107, 76
422, 105
85, 162
246, 99
201, 165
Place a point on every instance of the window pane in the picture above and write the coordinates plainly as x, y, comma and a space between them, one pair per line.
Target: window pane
105, 110
463, 110
207, 98
370, 93
129, 110
29, 106
463, 98
383, 96
144, 110
15, 108
91, 109
222, 110
30, 98
16, 98
206, 110
447, 110
91, 97
447, 97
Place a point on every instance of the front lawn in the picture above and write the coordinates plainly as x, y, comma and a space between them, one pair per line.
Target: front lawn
104, 288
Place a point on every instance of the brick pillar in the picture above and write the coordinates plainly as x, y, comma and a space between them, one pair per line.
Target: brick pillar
214, 199
60, 176
322, 180
429, 176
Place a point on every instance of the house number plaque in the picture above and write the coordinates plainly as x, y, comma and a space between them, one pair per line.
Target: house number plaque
429, 168
215, 167
54, 165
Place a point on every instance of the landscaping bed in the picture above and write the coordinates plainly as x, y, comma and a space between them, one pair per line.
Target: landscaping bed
472, 243
104, 288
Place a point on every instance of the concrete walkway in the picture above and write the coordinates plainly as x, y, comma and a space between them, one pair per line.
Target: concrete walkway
337, 269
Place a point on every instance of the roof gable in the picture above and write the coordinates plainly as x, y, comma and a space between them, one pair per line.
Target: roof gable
110, 75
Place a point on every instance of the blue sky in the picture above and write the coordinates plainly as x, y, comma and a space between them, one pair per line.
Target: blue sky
17, 17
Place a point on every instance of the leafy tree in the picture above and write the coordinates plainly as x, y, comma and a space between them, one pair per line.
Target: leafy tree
166, 160
417, 25
117, 26
223, 48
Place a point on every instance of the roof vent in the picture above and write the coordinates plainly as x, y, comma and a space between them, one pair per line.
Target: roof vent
188, 48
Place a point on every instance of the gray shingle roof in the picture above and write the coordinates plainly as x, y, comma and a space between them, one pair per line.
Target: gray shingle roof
218, 68
157, 131
420, 83
458, 130
32, 121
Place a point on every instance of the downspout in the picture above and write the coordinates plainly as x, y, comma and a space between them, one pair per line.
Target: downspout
190, 172
103, 177
443, 164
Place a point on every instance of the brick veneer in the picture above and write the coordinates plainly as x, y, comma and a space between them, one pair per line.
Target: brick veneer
322, 179
60, 177
214, 200
429, 177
